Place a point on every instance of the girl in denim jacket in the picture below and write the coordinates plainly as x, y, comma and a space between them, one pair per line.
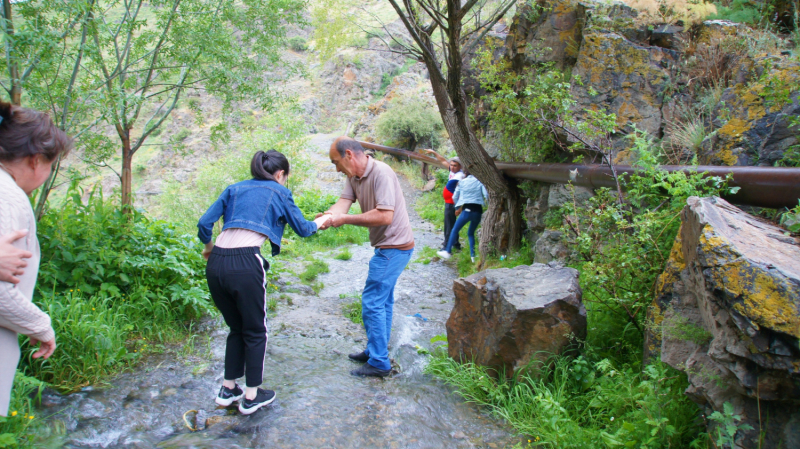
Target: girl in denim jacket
253, 211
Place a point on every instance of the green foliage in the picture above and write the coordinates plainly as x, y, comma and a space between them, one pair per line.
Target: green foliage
408, 121
313, 270
576, 403
426, 255
791, 219
352, 310
727, 426
345, 254
106, 278
18, 429
185, 202
430, 207
679, 328
622, 248
528, 109
297, 43
743, 11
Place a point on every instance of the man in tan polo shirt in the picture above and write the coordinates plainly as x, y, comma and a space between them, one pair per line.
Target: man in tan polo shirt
376, 188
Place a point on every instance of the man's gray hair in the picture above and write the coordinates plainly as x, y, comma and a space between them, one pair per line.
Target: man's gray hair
346, 143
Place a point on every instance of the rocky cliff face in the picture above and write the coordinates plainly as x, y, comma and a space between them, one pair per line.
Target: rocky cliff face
651, 75
510, 318
727, 313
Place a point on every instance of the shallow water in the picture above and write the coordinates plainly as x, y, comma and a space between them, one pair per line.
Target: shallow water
319, 404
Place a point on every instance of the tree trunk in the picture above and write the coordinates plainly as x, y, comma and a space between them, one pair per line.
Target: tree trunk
15, 92
502, 221
125, 179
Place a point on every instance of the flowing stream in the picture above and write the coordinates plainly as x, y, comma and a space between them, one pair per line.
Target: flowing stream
319, 404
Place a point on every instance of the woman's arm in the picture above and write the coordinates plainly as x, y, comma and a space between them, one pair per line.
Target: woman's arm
295, 219
212, 215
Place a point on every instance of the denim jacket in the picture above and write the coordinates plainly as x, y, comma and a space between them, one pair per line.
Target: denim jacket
260, 206
469, 191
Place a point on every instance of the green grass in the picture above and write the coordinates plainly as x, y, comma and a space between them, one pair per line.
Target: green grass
21, 427
345, 254
314, 269
583, 403
426, 255
352, 310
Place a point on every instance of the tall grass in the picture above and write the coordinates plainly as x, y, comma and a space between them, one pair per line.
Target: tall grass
583, 403
17, 429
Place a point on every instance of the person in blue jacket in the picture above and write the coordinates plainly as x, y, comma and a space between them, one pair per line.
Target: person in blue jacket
253, 211
469, 197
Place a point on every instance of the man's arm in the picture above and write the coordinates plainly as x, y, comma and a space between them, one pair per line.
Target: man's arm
341, 207
438, 156
375, 217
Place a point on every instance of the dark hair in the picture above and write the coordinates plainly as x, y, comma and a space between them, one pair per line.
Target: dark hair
25, 132
265, 164
346, 143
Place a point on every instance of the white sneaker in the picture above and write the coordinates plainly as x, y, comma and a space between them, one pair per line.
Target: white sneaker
443, 254
473, 259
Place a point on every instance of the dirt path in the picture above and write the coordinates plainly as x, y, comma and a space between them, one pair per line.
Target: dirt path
319, 403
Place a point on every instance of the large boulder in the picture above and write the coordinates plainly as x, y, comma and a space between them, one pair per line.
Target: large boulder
624, 78
552, 36
510, 318
756, 120
728, 314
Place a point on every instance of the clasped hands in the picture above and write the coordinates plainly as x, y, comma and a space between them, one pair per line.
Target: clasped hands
327, 219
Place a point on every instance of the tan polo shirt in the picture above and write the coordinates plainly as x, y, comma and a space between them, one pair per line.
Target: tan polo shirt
380, 189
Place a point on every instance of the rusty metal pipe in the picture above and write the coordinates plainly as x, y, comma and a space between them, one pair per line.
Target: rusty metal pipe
773, 187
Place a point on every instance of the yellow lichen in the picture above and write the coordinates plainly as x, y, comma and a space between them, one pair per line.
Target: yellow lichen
759, 296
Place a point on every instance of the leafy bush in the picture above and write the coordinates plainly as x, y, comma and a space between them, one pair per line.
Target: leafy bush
107, 278
621, 248
297, 43
97, 249
408, 121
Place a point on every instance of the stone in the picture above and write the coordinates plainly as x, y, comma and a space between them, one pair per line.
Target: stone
668, 36
549, 247
514, 318
554, 36
560, 194
623, 78
752, 132
728, 313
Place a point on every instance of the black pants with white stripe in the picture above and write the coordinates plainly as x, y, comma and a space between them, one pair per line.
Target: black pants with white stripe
237, 280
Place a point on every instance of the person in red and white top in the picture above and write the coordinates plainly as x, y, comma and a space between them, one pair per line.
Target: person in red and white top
454, 176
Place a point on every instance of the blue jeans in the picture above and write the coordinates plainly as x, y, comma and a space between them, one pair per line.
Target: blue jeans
474, 219
377, 302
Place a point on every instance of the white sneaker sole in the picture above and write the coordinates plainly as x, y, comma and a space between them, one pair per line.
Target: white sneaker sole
227, 402
248, 411
443, 254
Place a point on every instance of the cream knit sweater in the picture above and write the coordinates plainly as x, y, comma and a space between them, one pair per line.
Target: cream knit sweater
17, 312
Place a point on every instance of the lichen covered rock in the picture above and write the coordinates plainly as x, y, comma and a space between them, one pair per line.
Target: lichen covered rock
728, 311
754, 119
510, 318
624, 78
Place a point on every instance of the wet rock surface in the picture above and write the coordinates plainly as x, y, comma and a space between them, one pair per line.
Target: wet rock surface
507, 318
728, 314
319, 404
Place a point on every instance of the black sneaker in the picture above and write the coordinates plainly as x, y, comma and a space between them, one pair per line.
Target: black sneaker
228, 396
369, 370
263, 397
359, 357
